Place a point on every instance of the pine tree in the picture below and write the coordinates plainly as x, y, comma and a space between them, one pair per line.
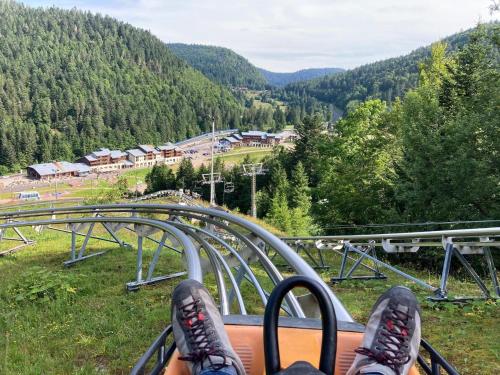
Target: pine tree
279, 212
300, 202
160, 178
186, 177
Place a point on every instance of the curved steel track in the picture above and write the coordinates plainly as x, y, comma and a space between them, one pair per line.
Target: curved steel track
232, 244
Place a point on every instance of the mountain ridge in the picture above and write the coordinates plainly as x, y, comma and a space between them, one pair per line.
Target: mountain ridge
385, 79
221, 65
280, 79
224, 66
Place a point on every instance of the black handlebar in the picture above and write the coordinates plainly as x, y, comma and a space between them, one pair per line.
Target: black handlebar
329, 324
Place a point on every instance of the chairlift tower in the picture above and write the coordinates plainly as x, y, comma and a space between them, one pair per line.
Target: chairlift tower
212, 181
252, 170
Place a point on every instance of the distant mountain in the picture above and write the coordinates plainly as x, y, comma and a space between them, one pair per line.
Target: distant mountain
221, 65
386, 79
283, 79
226, 67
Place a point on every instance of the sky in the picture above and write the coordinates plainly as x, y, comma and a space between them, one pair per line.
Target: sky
288, 35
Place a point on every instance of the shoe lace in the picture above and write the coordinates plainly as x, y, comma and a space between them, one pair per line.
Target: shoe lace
199, 335
392, 342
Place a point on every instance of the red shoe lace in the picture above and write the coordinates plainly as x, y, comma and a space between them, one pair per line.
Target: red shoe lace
199, 337
393, 350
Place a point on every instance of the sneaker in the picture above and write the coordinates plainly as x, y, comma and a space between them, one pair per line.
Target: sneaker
199, 331
392, 336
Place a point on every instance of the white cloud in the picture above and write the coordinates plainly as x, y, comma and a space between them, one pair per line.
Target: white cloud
286, 35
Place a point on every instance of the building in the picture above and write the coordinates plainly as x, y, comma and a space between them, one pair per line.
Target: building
170, 153
256, 138
152, 154
61, 169
137, 157
106, 160
230, 142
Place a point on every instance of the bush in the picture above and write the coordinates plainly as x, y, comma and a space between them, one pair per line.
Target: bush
39, 285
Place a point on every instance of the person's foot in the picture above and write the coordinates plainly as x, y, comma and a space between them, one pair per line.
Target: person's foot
392, 336
199, 331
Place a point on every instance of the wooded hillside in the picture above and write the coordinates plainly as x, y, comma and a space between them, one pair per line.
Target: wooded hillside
71, 81
283, 79
220, 65
385, 80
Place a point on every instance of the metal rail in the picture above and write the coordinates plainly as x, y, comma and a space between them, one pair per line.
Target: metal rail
474, 232
193, 264
248, 234
249, 243
455, 243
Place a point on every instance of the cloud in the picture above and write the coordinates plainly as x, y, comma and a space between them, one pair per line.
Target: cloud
287, 35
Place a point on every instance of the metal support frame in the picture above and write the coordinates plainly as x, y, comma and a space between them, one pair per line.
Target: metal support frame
317, 264
391, 268
492, 270
75, 258
20, 238
142, 233
366, 250
252, 170
190, 253
441, 294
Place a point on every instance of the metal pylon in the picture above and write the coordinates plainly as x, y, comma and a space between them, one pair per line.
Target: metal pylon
376, 274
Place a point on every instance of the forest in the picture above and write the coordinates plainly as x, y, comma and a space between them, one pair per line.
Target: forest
221, 65
386, 80
432, 155
71, 82
283, 79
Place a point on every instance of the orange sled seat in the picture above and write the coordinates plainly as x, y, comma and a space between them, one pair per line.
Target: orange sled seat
299, 339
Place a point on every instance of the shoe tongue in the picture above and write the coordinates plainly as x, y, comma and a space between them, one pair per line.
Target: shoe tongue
403, 309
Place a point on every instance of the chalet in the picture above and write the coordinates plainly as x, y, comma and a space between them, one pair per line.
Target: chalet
105, 160
137, 157
152, 154
272, 139
61, 169
170, 153
229, 142
258, 138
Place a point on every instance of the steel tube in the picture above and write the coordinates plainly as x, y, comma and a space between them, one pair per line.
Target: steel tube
192, 259
393, 269
244, 265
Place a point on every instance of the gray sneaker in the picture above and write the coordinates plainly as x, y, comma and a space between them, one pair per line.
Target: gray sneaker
199, 331
392, 336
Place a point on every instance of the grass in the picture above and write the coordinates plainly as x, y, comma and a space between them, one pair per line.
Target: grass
91, 325
238, 156
80, 320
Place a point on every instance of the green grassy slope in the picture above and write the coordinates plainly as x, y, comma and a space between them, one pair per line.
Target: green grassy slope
80, 320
